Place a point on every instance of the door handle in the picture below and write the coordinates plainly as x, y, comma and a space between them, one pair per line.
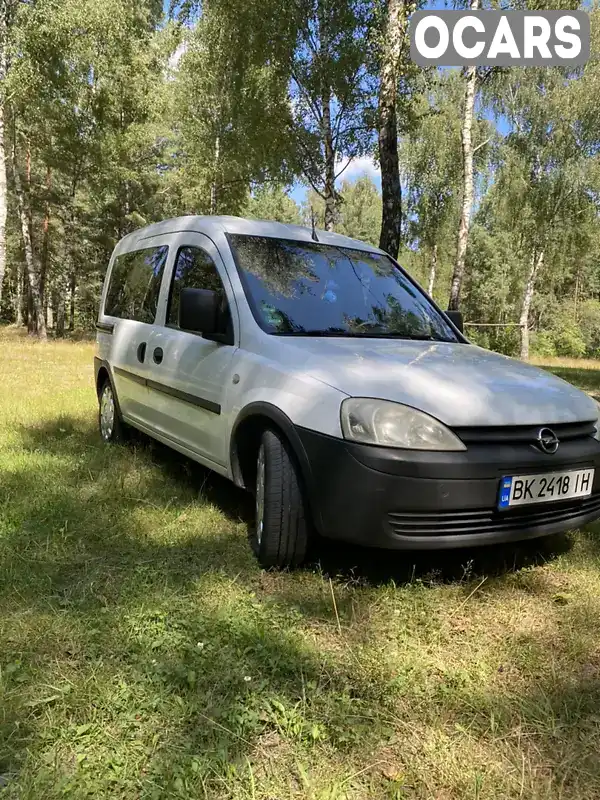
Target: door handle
141, 352
157, 355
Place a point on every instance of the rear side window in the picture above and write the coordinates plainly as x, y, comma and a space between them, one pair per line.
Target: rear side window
135, 284
194, 269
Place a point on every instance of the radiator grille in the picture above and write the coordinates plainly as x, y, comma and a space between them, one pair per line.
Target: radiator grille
518, 434
447, 523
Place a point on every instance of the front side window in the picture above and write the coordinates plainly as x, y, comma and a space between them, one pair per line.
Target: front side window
305, 289
194, 269
135, 284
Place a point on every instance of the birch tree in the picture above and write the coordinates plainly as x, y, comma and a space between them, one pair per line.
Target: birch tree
6, 9
545, 188
75, 103
230, 107
3, 193
430, 165
329, 94
467, 188
360, 210
25, 217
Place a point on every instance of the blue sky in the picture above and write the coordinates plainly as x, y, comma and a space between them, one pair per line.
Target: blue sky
358, 167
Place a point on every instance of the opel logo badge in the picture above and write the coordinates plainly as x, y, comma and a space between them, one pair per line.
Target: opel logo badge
547, 441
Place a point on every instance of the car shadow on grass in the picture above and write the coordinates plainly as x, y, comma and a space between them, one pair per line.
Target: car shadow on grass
366, 565
377, 567
372, 566
334, 559
235, 503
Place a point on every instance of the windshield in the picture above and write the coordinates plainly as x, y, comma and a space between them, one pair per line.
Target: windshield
304, 289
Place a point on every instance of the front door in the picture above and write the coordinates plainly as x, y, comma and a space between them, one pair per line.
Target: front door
189, 376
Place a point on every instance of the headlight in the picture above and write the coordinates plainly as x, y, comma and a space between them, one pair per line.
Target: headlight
390, 424
597, 434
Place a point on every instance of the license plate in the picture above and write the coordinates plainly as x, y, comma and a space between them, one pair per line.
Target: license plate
520, 490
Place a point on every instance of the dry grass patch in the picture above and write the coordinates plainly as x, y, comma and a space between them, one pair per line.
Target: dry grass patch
583, 372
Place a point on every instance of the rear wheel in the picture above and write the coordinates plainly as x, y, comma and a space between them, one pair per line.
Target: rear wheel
281, 533
112, 427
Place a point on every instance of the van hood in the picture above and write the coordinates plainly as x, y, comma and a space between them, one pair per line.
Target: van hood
459, 384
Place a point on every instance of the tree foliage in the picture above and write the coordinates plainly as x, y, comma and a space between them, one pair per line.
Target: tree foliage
114, 116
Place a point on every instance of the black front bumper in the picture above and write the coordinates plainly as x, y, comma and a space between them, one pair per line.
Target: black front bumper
402, 499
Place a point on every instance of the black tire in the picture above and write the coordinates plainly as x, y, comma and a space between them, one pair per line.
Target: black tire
117, 432
281, 533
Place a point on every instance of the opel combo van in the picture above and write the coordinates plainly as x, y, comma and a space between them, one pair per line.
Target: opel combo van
312, 370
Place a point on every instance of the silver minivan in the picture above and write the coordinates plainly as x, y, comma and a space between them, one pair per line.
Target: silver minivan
313, 371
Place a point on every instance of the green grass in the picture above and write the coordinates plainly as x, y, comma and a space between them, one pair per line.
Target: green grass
143, 653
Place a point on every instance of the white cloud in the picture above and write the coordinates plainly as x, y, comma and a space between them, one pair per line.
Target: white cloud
355, 167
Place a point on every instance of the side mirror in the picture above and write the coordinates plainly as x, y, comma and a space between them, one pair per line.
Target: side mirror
456, 318
199, 311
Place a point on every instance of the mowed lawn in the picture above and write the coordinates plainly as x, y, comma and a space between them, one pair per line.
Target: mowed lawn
143, 653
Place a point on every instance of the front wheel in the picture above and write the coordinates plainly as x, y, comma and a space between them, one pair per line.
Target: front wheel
112, 428
281, 534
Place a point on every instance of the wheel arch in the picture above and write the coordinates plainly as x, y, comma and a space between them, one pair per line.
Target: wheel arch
102, 373
248, 428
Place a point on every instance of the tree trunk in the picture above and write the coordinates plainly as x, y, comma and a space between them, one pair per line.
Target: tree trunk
31, 321
329, 195
72, 288
537, 259
60, 317
58, 301
391, 189
45, 239
49, 313
329, 187
31, 318
3, 193
213, 187
3, 186
26, 226
432, 269
467, 197
19, 297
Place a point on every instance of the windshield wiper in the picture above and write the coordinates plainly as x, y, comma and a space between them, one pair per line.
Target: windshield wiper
415, 337
339, 333
335, 332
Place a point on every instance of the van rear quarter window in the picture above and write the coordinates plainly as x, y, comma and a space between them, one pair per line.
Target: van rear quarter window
135, 284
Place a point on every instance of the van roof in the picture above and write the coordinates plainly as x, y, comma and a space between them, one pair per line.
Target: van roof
250, 227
